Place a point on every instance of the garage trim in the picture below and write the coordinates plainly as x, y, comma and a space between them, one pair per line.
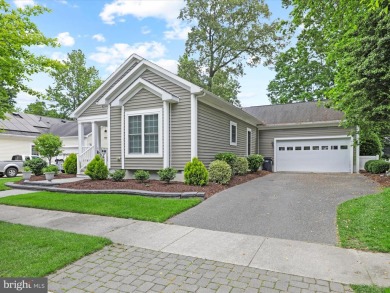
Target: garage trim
313, 138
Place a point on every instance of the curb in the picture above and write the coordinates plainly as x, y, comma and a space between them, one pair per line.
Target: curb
108, 191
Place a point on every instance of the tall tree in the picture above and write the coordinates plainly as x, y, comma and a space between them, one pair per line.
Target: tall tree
17, 63
40, 108
350, 36
73, 83
227, 36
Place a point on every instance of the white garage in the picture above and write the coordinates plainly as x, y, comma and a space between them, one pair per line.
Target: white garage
317, 154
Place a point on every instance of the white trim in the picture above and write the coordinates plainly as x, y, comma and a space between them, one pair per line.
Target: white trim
300, 125
230, 136
166, 134
19, 136
351, 154
93, 118
108, 153
123, 137
250, 147
357, 152
140, 84
310, 138
126, 140
194, 126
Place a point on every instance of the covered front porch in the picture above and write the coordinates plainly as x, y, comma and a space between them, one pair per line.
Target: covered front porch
95, 144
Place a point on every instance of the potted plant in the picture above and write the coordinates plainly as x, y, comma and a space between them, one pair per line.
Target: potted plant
50, 171
26, 173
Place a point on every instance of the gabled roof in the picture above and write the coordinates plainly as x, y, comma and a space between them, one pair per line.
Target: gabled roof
34, 125
295, 113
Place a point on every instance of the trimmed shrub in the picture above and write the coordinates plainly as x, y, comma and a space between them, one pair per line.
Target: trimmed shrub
367, 165
240, 166
195, 173
96, 169
254, 162
51, 168
141, 175
379, 166
220, 172
370, 145
26, 169
70, 164
118, 175
229, 158
167, 174
36, 165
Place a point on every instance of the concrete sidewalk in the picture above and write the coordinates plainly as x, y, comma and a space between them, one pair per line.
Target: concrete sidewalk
290, 257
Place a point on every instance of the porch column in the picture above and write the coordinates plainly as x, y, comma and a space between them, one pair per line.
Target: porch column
95, 137
81, 140
166, 146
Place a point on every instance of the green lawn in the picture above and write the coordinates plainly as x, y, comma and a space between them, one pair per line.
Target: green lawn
5, 180
364, 223
114, 205
369, 289
35, 252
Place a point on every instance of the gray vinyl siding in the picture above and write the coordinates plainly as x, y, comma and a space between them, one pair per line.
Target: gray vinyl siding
214, 134
266, 137
95, 109
180, 120
115, 138
144, 100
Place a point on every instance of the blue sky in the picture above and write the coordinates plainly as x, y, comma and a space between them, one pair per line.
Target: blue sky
108, 31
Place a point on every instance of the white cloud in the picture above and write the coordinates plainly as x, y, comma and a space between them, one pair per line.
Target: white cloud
24, 3
168, 64
166, 10
178, 31
145, 30
65, 39
99, 38
59, 56
111, 57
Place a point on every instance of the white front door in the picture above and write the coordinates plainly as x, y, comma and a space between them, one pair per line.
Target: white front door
314, 155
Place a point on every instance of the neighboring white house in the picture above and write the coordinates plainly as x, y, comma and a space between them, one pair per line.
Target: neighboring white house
18, 131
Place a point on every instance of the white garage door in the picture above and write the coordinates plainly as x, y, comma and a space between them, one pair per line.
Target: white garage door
313, 155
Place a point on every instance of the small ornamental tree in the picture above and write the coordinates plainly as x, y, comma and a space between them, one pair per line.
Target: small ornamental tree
48, 145
96, 169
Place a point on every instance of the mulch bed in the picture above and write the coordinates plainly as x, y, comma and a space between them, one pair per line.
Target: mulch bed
42, 177
382, 179
159, 186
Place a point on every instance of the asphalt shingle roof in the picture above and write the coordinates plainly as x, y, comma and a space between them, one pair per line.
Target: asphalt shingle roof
294, 113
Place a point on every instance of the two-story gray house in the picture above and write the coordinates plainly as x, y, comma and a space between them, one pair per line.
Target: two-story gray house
156, 119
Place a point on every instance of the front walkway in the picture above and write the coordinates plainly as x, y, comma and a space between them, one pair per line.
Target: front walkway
285, 256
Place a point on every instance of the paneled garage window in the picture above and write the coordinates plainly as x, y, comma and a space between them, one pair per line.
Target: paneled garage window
334, 147
343, 147
306, 148
298, 148
290, 148
282, 148
324, 148
316, 148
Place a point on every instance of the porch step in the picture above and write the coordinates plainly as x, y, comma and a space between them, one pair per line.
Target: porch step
82, 175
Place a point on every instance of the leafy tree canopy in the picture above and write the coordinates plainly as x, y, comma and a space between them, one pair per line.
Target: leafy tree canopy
225, 37
48, 145
73, 83
17, 63
40, 108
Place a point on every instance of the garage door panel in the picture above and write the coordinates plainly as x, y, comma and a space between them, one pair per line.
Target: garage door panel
314, 155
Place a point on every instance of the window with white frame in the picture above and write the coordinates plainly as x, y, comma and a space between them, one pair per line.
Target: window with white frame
233, 133
34, 151
143, 131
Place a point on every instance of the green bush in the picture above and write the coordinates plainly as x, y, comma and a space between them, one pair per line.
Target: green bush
167, 174
96, 169
118, 175
254, 162
220, 172
51, 168
229, 158
36, 165
370, 145
367, 165
142, 175
240, 166
26, 169
379, 166
70, 164
195, 173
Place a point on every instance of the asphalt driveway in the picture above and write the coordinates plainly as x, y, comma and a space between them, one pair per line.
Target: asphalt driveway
280, 205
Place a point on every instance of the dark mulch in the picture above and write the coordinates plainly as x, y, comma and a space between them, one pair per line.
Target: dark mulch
382, 179
42, 177
155, 185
